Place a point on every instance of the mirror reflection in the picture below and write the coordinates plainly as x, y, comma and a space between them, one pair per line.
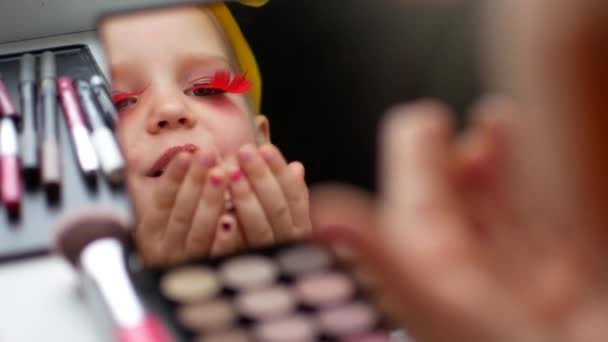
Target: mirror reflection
202, 172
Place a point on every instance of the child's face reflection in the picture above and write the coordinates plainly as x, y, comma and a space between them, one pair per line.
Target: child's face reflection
156, 56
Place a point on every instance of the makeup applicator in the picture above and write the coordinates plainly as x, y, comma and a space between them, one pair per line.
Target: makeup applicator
93, 242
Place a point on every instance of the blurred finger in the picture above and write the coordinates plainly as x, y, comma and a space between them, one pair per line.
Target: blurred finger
421, 199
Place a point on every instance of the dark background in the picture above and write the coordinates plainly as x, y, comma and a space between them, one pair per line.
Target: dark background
331, 68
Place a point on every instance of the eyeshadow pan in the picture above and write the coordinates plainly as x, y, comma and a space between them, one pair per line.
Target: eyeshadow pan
207, 316
371, 337
297, 328
227, 336
348, 320
249, 272
324, 288
190, 284
303, 259
266, 303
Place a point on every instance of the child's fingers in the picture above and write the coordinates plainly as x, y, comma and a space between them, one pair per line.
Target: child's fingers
208, 210
256, 228
154, 219
268, 191
180, 221
291, 179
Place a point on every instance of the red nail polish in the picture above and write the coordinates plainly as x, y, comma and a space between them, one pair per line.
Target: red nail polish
236, 175
216, 180
226, 226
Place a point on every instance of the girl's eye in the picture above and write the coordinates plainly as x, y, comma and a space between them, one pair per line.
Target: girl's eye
203, 90
125, 103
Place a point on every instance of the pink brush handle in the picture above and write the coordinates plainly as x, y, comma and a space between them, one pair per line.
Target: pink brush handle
151, 329
7, 108
11, 182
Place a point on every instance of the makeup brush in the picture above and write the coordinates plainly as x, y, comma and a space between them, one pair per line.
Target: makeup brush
108, 152
49, 149
29, 147
7, 107
10, 187
94, 243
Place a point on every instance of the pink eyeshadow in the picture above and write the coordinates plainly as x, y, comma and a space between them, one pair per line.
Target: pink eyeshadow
325, 289
348, 320
296, 328
372, 337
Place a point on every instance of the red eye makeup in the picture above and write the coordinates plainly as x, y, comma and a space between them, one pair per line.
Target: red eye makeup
222, 81
121, 100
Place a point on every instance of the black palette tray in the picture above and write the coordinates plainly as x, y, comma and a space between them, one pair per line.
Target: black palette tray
30, 234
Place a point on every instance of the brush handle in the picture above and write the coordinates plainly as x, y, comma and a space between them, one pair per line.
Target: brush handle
151, 329
11, 182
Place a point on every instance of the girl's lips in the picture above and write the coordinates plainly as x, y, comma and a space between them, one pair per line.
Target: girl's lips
161, 163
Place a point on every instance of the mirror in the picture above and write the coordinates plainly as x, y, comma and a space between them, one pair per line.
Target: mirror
201, 171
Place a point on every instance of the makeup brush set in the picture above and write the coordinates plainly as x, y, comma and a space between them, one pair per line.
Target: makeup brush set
296, 292
58, 151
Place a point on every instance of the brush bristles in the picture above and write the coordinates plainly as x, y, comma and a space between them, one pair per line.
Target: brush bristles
74, 233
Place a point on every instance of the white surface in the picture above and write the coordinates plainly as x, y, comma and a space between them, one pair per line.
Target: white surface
38, 298
39, 302
26, 19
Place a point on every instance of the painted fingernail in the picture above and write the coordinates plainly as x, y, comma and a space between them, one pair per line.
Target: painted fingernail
226, 226
215, 180
207, 160
236, 175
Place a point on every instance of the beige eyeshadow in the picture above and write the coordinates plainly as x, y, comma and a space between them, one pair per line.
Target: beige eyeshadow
297, 328
324, 288
226, 336
249, 272
190, 284
351, 319
207, 317
305, 258
266, 303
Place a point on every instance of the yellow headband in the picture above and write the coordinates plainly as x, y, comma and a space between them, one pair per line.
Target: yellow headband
243, 51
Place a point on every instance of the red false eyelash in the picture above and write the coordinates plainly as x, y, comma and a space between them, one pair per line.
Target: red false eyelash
122, 96
223, 81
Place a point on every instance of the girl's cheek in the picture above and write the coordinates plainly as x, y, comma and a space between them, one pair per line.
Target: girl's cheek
231, 134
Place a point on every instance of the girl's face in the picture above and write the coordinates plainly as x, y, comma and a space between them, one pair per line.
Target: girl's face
155, 60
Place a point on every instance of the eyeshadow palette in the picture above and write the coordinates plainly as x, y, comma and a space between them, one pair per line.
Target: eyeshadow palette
297, 292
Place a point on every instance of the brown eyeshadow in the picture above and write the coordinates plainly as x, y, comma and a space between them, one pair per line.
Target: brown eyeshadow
207, 316
190, 284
